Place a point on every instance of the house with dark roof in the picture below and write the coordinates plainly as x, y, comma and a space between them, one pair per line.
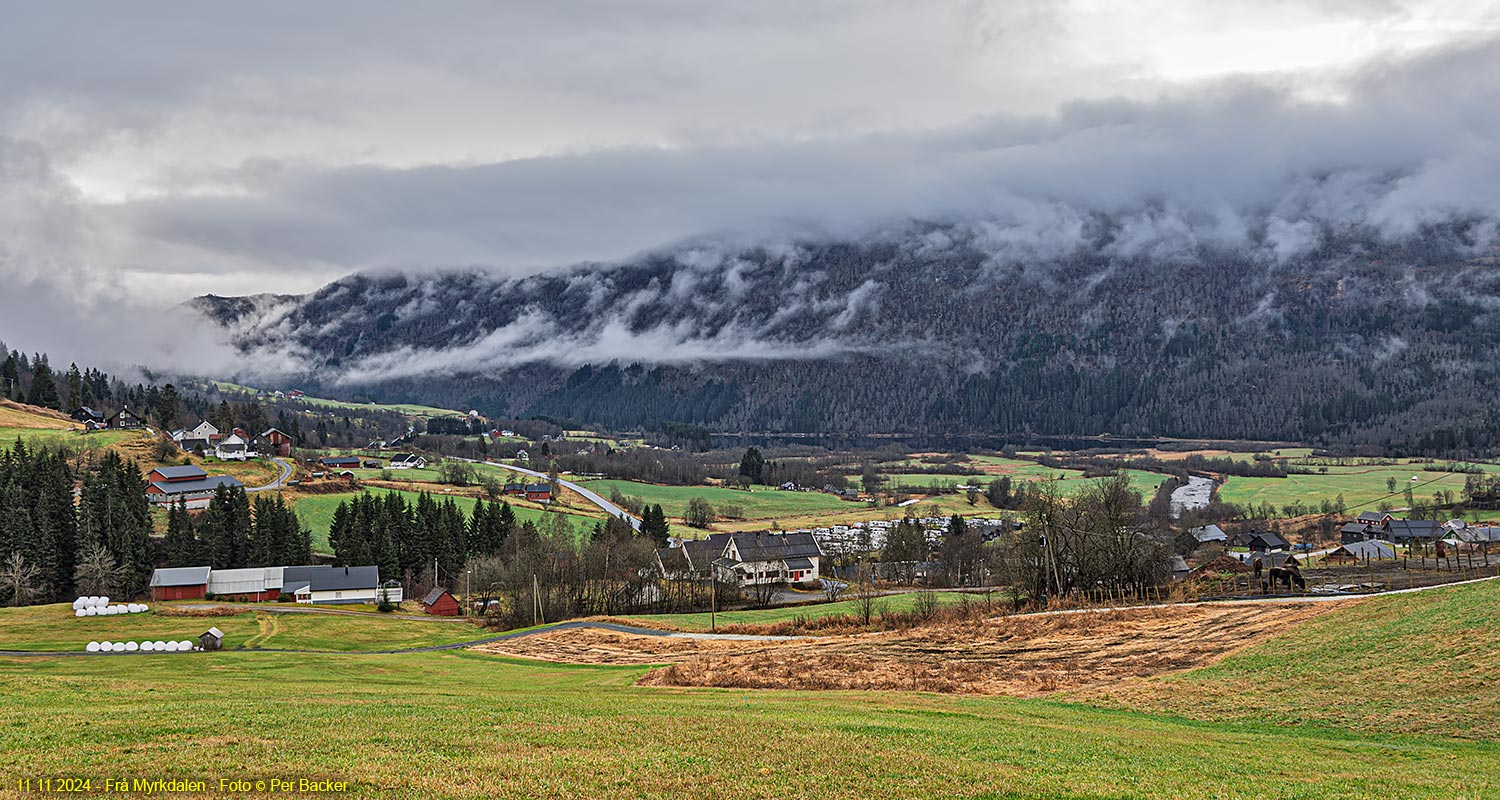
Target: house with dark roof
539, 491
334, 585
751, 559
1358, 532
407, 461
1262, 541
1407, 531
86, 414
1374, 518
124, 419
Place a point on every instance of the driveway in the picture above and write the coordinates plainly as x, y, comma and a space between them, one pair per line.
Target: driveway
281, 479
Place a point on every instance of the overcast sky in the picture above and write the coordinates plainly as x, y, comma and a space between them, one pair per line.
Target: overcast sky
153, 151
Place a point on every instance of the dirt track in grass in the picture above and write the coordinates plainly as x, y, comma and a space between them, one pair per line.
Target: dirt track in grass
1023, 656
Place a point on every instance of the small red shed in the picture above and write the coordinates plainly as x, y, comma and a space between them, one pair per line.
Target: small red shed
441, 603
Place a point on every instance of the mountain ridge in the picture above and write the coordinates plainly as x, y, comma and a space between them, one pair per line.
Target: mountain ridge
1352, 339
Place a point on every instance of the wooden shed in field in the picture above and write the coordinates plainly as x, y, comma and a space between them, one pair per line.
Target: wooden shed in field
441, 603
211, 639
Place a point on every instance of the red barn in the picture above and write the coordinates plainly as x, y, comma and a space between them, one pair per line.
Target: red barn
180, 583
539, 491
276, 442
441, 603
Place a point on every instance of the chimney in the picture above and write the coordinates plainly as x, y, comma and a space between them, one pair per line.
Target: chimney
346, 569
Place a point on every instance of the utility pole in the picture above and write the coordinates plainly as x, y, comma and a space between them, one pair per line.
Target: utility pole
713, 600
468, 599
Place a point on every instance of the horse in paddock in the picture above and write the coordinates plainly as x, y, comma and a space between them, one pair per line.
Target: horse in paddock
1291, 576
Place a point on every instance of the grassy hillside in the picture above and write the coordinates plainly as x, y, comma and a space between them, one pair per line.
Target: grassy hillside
53, 627
467, 725
1421, 663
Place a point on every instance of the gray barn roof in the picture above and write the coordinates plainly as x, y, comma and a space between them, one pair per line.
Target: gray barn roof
181, 576
1369, 548
194, 487
180, 473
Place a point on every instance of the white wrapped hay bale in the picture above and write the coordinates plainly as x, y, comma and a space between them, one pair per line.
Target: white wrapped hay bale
147, 647
77, 604
145, 608
103, 601
161, 646
134, 608
105, 646
82, 612
93, 647
171, 647
184, 646
119, 647
131, 647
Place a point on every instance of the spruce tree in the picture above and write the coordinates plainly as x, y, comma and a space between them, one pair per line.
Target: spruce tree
43, 390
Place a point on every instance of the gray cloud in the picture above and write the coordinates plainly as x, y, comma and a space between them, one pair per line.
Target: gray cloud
148, 154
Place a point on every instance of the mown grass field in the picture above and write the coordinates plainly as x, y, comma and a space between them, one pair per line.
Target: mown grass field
1420, 663
762, 504
316, 511
53, 627
1360, 485
466, 725
770, 616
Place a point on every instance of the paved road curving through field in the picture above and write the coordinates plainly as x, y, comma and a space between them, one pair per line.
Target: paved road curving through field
588, 494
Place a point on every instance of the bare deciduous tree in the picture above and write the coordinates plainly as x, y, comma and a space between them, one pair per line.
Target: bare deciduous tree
97, 573
20, 579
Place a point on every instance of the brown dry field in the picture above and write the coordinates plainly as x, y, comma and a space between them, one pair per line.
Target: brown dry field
15, 415
597, 646
1021, 656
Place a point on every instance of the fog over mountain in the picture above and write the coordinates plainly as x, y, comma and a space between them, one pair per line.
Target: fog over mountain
773, 209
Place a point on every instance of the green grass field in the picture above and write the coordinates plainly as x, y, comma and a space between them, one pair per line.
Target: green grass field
1392, 697
1359, 485
771, 616
53, 627
1417, 663
466, 725
317, 512
409, 409
762, 504
67, 438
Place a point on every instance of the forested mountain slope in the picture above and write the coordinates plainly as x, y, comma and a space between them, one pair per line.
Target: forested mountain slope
1349, 337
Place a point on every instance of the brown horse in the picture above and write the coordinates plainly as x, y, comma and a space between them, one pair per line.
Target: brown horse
1291, 576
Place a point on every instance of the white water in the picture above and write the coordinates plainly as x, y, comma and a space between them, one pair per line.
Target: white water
1194, 495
